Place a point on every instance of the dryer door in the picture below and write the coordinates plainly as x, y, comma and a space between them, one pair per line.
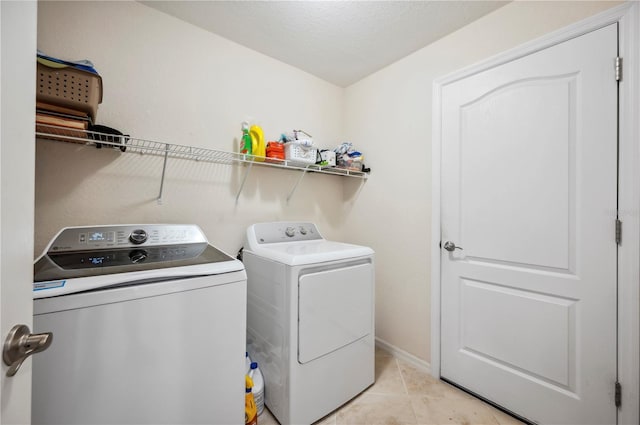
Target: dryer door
335, 308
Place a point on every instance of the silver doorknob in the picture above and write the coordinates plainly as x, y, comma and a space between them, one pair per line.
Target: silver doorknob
450, 246
20, 344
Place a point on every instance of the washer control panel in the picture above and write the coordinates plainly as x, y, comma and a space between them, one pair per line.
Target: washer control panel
109, 258
285, 232
125, 236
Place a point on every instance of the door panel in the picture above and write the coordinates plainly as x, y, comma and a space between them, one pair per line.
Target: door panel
529, 173
18, 28
513, 344
335, 309
501, 201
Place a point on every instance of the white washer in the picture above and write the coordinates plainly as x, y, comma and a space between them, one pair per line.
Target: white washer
148, 327
310, 318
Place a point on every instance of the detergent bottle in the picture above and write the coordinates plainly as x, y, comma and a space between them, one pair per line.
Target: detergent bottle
250, 411
247, 363
258, 386
258, 146
245, 143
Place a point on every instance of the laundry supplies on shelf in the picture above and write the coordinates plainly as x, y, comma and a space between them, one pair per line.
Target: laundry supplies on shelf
275, 150
349, 159
245, 142
258, 148
328, 158
126, 143
298, 147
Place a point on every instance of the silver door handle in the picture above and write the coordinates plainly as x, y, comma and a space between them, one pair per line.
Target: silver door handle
20, 344
450, 246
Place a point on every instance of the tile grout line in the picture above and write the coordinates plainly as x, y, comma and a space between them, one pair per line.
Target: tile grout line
404, 384
406, 390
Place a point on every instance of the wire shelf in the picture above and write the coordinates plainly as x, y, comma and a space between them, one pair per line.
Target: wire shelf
134, 145
126, 143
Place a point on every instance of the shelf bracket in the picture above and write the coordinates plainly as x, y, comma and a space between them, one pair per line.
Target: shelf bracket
296, 185
244, 180
164, 169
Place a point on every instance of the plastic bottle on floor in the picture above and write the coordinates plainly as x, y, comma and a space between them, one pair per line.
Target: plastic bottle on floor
250, 410
258, 386
247, 363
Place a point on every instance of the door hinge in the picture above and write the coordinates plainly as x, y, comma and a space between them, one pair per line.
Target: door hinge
618, 68
618, 394
618, 232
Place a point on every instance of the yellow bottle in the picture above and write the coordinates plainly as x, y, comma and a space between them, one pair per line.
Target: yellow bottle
259, 148
250, 409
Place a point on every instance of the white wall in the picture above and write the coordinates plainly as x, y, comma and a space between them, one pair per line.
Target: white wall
169, 81
391, 111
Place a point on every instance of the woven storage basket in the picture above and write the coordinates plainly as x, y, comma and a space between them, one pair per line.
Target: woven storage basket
69, 87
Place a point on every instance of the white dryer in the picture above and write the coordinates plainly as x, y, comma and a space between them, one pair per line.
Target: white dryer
310, 318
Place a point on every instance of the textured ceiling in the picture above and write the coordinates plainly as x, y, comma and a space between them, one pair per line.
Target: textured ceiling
338, 41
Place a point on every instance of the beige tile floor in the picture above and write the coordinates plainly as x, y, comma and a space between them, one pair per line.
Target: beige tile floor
404, 395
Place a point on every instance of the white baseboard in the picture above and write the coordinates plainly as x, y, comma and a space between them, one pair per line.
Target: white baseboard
403, 355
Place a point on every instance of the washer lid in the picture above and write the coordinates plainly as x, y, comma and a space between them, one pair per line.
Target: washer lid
87, 258
310, 252
294, 243
66, 265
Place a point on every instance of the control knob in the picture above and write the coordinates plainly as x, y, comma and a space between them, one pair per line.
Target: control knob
138, 256
290, 231
138, 236
303, 231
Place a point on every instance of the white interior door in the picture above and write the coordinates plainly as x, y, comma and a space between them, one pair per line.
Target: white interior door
17, 155
529, 173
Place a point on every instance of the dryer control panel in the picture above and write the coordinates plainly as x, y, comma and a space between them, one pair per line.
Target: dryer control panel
124, 236
285, 232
